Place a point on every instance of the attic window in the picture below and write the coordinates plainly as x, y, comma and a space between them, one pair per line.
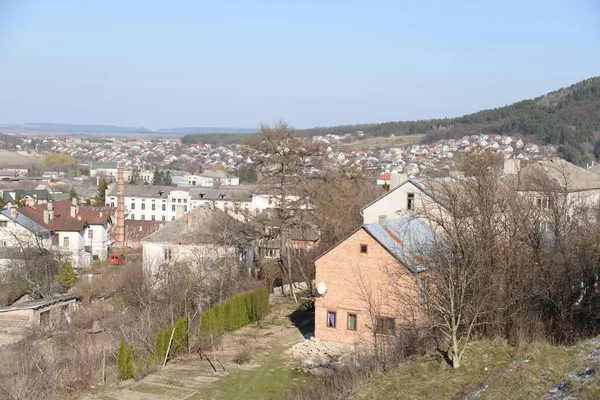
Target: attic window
161, 192
222, 195
363, 248
410, 201
202, 195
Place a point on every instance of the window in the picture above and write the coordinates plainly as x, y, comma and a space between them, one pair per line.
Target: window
164, 207
184, 208
112, 203
66, 241
271, 253
54, 240
173, 218
132, 205
173, 207
423, 290
142, 217
153, 207
185, 200
132, 217
386, 326
179, 200
153, 217
331, 317
363, 248
3, 224
410, 201
143, 206
351, 322
168, 254
163, 218
542, 202
4, 243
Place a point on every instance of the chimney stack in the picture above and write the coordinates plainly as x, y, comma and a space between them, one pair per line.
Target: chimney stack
190, 218
120, 244
383, 220
46, 217
13, 212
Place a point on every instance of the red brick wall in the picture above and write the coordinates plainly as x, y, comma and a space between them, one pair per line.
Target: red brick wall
359, 283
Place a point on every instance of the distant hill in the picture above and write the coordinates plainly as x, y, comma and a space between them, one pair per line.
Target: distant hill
204, 131
74, 128
568, 118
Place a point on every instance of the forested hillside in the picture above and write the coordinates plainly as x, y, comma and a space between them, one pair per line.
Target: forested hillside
568, 118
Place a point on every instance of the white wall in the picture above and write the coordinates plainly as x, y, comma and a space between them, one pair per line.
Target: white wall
99, 240
75, 249
394, 204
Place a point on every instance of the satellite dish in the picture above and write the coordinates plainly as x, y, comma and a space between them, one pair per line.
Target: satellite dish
321, 288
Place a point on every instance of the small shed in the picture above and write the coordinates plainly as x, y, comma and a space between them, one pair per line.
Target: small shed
48, 314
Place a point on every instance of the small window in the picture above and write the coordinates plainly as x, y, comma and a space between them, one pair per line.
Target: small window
164, 207
143, 206
331, 319
386, 326
173, 218
173, 207
142, 217
66, 241
152, 217
423, 290
153, 207
351, 322
185, 200
132, 205
168, 254
3, 224
364, 248
112, 203
163, 218
179, 200
410, 201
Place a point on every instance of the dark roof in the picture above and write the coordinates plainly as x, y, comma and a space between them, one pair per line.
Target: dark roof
200, 225
37, 304
61, 222
91, 214
232, 193
136, 230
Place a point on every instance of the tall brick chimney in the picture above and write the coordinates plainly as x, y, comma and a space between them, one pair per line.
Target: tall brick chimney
120, 244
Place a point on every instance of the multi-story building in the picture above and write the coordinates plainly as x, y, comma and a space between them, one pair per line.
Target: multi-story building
167, 203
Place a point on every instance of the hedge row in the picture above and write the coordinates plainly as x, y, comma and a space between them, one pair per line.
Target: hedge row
180, 340
236, 312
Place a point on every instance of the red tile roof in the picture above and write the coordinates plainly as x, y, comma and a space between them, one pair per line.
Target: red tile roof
385, 177
63, 221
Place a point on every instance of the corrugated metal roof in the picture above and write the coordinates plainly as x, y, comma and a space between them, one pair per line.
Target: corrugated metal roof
405, 238
35, 304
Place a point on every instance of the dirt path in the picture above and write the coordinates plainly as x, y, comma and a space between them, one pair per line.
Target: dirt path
191, 377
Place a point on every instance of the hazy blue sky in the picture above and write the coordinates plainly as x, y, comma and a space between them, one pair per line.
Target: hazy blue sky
328, 62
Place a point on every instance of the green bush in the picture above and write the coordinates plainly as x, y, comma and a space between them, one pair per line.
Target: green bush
237, 311
125, 361
159, 349
180, 337
66, 275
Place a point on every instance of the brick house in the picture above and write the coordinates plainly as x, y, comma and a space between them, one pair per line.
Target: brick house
359, 299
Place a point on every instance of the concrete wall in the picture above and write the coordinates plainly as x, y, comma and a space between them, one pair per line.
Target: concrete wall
359, 284
394, 204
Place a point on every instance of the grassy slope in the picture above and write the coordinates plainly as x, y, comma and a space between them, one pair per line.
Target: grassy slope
493, 369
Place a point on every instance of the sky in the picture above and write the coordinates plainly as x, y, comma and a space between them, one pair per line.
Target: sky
223, 63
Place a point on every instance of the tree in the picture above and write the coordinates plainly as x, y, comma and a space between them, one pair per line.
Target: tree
200, 169
157, 180
246, 173
66, 275
167, 179
100, 198
284, 162
72, 193
135, 175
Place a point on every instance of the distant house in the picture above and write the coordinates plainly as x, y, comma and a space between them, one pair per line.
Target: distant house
104, 170
384, 178
360, 300
200, 238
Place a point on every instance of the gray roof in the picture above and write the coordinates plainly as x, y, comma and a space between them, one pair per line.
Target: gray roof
36, 304
201, 225
404, 238
26, 223
232, 193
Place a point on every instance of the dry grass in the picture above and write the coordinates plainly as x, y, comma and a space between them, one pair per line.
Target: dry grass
380, 142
